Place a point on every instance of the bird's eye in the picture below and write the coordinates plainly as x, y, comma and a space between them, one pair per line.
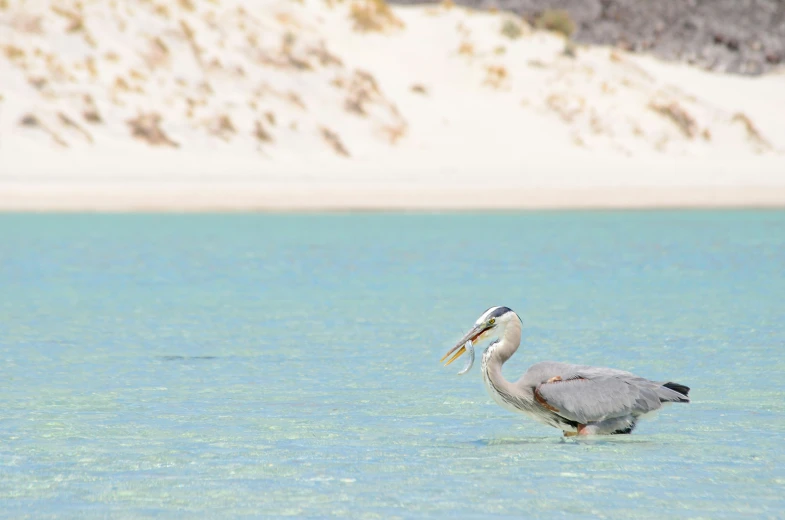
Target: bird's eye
491, 321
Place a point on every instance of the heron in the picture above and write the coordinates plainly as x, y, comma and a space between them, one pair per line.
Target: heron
578, 399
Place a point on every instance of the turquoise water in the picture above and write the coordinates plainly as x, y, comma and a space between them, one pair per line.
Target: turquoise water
270, 366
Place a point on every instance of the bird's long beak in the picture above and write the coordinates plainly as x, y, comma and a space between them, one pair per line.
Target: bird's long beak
472, 335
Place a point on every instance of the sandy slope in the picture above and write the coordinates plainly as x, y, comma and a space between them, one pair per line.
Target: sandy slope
229, 104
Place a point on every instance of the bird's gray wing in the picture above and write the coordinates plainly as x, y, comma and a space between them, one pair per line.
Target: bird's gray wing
587, 394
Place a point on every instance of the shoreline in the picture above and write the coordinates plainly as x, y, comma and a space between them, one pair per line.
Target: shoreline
192, 197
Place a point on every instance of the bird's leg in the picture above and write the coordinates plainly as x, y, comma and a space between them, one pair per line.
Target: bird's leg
582, 430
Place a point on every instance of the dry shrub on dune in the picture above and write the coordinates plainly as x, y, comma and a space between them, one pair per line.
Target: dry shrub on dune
678, 116
558, 21
373, 16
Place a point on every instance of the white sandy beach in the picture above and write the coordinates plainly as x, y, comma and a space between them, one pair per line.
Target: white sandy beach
282, 105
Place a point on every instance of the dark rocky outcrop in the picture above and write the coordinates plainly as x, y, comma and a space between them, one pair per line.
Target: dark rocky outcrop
735, 36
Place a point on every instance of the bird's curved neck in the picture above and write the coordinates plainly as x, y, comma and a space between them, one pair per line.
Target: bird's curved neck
494, 357
509, 340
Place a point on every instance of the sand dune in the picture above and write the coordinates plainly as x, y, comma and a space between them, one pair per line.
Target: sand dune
305, 105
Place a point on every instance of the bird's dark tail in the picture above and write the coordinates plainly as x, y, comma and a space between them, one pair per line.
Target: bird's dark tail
683, 391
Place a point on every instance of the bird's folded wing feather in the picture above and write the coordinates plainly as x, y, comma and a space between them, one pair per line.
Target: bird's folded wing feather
589, 397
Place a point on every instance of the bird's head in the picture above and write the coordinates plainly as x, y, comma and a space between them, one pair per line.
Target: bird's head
490, 324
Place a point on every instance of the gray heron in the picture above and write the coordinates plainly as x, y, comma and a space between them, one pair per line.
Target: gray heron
577, 399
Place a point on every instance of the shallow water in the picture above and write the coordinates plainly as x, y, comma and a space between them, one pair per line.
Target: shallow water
266, 366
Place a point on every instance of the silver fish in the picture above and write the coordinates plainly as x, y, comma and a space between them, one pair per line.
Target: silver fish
470, 349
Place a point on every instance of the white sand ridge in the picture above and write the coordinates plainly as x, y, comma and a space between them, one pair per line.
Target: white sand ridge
297, 92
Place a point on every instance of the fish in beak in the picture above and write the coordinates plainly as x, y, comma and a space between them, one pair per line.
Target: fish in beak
472, 336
